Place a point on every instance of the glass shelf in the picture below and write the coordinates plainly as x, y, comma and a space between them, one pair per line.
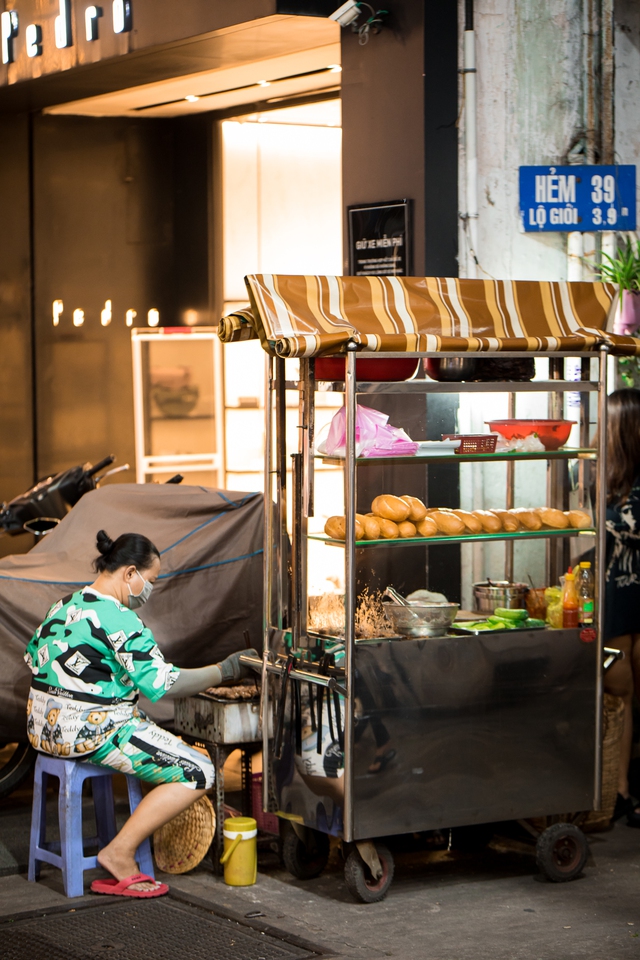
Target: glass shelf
566, 453
465, 538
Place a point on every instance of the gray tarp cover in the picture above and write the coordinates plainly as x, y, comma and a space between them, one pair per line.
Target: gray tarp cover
208, 593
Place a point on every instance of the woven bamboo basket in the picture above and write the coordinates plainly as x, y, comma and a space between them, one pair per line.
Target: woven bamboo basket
612, 724
182, 844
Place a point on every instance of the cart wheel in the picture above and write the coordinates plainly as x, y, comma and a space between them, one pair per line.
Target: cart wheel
472, 839
359, 880
305, 860
561, 852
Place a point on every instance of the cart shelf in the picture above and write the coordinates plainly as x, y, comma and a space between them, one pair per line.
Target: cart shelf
567, 453
471, 537
438, 386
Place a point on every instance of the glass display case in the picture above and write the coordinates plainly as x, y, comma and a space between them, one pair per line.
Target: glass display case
178, 405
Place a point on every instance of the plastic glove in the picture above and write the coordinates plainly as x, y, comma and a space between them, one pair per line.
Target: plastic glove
232, 669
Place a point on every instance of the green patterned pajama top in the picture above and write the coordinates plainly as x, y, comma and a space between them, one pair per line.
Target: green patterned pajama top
90, 658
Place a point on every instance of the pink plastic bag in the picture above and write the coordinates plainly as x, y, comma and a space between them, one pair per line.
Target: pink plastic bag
374, 436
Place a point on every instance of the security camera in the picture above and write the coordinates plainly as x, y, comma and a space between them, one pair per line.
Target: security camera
347, 13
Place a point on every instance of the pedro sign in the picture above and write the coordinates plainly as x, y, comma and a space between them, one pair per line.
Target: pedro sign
582, 198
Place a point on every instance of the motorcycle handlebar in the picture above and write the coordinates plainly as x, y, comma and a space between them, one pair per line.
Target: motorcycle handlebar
99, 466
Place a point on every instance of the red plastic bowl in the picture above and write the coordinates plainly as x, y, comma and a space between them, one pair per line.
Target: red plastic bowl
553, 434
368, 368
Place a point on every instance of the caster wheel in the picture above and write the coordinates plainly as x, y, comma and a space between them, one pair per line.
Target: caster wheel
362, 886
472, 839
305, 860
561, 852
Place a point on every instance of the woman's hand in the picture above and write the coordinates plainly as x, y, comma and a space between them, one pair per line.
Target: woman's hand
195, 681
232, 669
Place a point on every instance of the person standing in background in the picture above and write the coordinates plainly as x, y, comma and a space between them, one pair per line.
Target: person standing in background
622, 583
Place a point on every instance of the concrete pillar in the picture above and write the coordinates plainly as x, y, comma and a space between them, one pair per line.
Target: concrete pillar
399, 108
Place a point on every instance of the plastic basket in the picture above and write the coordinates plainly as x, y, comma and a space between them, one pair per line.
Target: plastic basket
474, 442
267, 822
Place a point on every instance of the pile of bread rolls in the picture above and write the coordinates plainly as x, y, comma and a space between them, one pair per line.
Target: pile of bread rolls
393, 518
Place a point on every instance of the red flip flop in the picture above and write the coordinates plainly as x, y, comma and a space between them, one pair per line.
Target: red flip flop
121, 888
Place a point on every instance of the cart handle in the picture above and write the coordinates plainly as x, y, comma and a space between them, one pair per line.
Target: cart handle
295, 674
611, 655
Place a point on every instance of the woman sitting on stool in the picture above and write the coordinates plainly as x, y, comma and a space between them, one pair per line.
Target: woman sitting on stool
90, 658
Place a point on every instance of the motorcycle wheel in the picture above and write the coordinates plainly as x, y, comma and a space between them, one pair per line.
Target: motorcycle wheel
16, 763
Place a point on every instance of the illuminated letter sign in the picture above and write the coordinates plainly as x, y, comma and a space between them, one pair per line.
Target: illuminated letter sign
91, 17
33, 37
63, 25
9, 30
122, 18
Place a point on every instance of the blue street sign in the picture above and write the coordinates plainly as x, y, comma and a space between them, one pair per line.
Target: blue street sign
582, 198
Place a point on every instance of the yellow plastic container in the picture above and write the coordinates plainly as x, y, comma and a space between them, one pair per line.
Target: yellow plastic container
240, 857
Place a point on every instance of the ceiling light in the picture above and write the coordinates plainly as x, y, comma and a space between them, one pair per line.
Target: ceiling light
130, 316
192, 99
246, 86
153, 317
78, 317
57, 308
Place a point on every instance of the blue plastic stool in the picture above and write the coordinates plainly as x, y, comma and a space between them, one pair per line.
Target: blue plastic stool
68, 853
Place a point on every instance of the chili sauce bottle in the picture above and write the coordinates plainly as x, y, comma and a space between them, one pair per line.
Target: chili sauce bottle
570, 604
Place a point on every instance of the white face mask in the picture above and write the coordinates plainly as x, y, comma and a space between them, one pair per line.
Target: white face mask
136, 600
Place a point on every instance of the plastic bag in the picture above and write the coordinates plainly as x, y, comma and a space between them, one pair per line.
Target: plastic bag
374, 436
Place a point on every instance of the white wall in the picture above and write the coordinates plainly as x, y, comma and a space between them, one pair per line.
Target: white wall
627, 85
282, 213
529, 62
282, 199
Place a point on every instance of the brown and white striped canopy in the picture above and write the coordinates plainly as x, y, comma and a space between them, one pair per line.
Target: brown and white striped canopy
307, 316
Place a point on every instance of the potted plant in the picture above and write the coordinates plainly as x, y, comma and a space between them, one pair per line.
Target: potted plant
625, 271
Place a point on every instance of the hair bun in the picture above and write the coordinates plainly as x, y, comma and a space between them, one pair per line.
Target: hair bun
104, 542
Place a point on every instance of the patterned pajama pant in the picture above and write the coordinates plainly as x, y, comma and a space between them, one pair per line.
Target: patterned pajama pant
146, 751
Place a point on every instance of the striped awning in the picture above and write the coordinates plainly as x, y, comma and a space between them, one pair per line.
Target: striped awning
307, 316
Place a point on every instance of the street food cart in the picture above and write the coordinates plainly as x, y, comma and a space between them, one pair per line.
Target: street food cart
486, 727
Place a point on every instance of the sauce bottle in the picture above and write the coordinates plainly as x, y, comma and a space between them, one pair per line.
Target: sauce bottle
569, 602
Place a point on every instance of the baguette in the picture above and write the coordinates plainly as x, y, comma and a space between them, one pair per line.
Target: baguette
391, 508
335, 528
427, 527
388, 529
406, 529
490, 522
509, 521
579, 519
370, 525
528, 518
472, 523
553, 518
447, 522
417, 508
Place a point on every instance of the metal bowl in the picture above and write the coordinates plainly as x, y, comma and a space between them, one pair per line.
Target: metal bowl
421, 619
451, 369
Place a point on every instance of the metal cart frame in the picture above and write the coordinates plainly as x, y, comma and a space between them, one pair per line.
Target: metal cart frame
563, 661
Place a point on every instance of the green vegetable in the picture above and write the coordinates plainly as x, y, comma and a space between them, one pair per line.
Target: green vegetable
503, 623
532, 622
505, 614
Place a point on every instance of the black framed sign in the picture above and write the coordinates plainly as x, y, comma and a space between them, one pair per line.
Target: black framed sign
380, 239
